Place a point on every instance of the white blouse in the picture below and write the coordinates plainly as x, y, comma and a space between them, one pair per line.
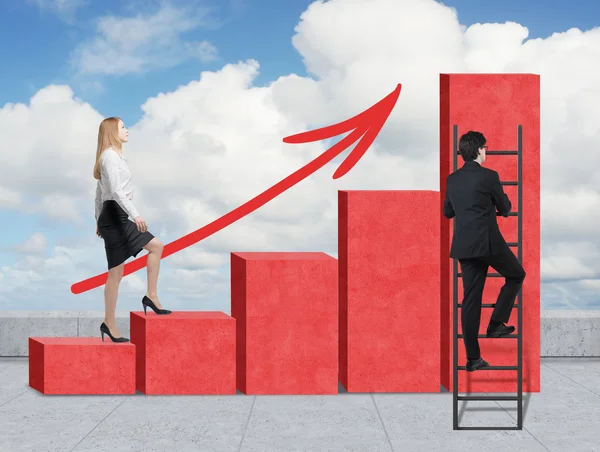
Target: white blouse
114, 183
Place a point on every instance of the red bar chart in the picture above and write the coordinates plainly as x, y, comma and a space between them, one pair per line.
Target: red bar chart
379, 318
389, 291
285, 306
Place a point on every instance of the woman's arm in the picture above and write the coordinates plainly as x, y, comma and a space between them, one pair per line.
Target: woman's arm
98, 201
110, 170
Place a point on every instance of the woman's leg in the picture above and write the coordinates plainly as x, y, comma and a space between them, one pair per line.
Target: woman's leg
111, 292
155, 249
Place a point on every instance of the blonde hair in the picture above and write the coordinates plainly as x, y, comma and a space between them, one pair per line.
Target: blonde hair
108, 137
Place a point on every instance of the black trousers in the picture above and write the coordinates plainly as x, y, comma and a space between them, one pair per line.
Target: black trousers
474, 273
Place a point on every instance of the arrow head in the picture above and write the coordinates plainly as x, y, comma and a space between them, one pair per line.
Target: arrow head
365, 127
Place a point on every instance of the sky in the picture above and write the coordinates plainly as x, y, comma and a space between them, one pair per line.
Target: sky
209, 88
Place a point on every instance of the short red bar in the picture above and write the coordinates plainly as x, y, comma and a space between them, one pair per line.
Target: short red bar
285, 305
495, 104
389, 291
81, 365
185, 352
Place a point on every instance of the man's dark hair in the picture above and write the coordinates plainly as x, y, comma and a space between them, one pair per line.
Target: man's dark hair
469, 145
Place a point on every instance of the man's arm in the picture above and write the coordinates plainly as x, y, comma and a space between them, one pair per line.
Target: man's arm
448, 208
499, 198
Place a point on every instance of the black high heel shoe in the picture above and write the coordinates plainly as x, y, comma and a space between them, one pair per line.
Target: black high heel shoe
104, 330
148, 302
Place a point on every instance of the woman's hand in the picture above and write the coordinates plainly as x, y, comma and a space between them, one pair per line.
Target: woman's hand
98, 232
141, 224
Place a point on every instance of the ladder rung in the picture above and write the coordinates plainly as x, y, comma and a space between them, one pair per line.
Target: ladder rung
485, 336
512, 244
490, 305
493, 398
488, 428
492, 368
513, 214
512, 182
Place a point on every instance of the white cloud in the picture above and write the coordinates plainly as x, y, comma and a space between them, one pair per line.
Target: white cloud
48, 151
9, 198
134, 283
36, 244
204, 51
64, 9
216, 142
144, 42
195, 259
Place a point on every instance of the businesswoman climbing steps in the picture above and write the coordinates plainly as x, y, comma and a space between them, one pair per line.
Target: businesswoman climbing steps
123, 238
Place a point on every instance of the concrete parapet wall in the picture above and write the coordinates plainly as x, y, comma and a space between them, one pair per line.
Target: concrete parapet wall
562, 333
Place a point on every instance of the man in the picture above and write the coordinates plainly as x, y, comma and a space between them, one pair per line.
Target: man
473, 193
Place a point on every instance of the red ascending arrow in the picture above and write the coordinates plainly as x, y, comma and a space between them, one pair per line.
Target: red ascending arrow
365, 127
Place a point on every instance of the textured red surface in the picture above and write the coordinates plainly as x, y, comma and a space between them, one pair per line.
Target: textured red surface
185, 352
495, 104
389, 291
285, 306
81, 365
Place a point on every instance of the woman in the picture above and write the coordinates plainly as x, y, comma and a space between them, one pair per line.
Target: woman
123, 238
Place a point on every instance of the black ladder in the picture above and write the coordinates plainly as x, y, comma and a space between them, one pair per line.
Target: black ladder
519, 336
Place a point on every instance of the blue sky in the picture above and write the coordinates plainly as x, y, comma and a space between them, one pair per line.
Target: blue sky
259, 29
39, 43
43, 57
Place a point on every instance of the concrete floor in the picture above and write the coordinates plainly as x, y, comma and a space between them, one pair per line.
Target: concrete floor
565, 416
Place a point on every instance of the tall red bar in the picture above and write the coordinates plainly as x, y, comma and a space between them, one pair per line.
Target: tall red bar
495, 104
389, 291
184, 353
285, 306
81, 365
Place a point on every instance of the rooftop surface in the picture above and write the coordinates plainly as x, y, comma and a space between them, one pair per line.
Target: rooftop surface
564, 416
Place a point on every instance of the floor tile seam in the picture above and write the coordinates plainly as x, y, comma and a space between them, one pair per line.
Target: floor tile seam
247, 423
570, 379
96, 426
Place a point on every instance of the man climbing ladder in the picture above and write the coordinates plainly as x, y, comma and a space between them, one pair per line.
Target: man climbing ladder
474, 197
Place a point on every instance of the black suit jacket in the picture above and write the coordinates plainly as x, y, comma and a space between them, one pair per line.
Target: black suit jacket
473, 193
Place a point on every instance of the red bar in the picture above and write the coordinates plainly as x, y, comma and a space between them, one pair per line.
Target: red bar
495, 104
81, 365
186, 352
389, 291
285, 305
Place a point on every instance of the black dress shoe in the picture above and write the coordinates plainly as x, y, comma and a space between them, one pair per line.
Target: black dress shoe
147, 302
500, 330
474, 364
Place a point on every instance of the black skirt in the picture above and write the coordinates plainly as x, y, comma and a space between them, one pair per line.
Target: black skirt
121, 236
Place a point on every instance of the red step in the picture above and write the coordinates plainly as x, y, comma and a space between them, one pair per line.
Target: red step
185, 352
81, 365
